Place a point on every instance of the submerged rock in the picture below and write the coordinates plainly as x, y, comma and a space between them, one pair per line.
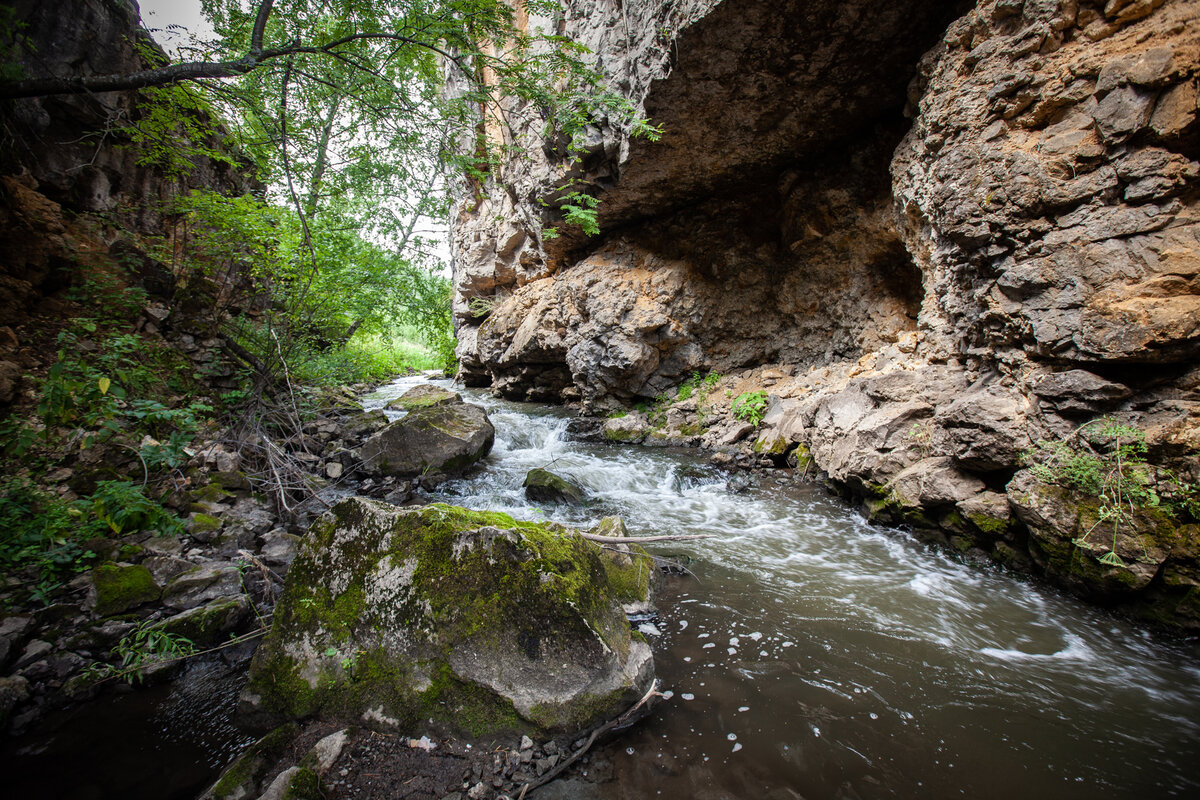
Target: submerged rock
543, 486
480, 623
441, 438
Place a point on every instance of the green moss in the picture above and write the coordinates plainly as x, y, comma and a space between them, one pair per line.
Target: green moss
248, 770
992, 526
622, 435
582, 714
771, 445
130, 552
800, 457
204, 626
544, 486
423, 397
305, 785
630, 576
510, 580
120, 588
212, 493
203, 523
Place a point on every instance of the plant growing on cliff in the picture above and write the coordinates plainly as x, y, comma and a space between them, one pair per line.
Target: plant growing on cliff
750, 407
1104, 459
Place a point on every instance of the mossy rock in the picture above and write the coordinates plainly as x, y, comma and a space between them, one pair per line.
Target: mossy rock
424, 396
632, 573
770, 443
543, 486
445, 438
392, 617
243, 779
122, 587
209, 625
203, 526
800, 457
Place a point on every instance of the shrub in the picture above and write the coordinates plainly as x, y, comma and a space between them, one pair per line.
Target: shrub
750, 407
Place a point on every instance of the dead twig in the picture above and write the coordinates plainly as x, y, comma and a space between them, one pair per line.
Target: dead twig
559, 768
666, 537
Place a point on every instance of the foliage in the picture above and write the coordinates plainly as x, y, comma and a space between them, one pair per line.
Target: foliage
124, 508
921, 436
1105, 459
371, 358
750, 407
41, 532
140, 649
93, 388
579, 209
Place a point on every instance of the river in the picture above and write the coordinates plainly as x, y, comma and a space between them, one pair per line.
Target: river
808, 655
813, 655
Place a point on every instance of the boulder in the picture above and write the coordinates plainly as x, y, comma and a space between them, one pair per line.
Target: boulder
628, 428
424, 396
443, 438
394, 617
201, 584
119, 587
543, 486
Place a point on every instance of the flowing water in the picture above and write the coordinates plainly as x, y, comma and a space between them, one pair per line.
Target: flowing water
813, 655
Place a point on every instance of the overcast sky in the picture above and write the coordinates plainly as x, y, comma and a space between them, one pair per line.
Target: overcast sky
159, 15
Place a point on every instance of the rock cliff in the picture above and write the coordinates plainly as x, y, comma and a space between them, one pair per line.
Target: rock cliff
77, 189
934, 234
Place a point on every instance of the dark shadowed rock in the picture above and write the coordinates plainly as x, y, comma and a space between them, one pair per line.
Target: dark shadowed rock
543, 486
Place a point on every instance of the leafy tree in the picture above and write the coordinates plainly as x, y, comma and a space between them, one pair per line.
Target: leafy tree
342, 106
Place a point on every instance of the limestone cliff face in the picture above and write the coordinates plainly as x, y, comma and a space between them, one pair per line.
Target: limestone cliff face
934, 234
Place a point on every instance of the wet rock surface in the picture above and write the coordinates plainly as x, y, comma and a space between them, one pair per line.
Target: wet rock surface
438, 435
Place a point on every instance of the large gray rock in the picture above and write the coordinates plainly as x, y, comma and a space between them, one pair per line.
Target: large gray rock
440, 438
393, 617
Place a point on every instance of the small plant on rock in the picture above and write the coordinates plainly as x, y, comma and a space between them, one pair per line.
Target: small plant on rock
750, 407
141, 649
1105, 459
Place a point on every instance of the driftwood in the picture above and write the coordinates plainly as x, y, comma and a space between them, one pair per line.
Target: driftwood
591, 740
666, 537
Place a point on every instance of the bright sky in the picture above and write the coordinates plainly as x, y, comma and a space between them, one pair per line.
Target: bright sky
159, 15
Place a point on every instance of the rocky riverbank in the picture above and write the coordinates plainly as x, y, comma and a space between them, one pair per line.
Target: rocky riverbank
966, 289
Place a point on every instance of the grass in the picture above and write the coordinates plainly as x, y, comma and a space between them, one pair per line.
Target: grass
368, 358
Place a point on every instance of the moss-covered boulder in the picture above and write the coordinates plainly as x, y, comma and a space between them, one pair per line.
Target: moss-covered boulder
424, 396
543, 486
441, 438
245, 777
120, 587
393, 617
